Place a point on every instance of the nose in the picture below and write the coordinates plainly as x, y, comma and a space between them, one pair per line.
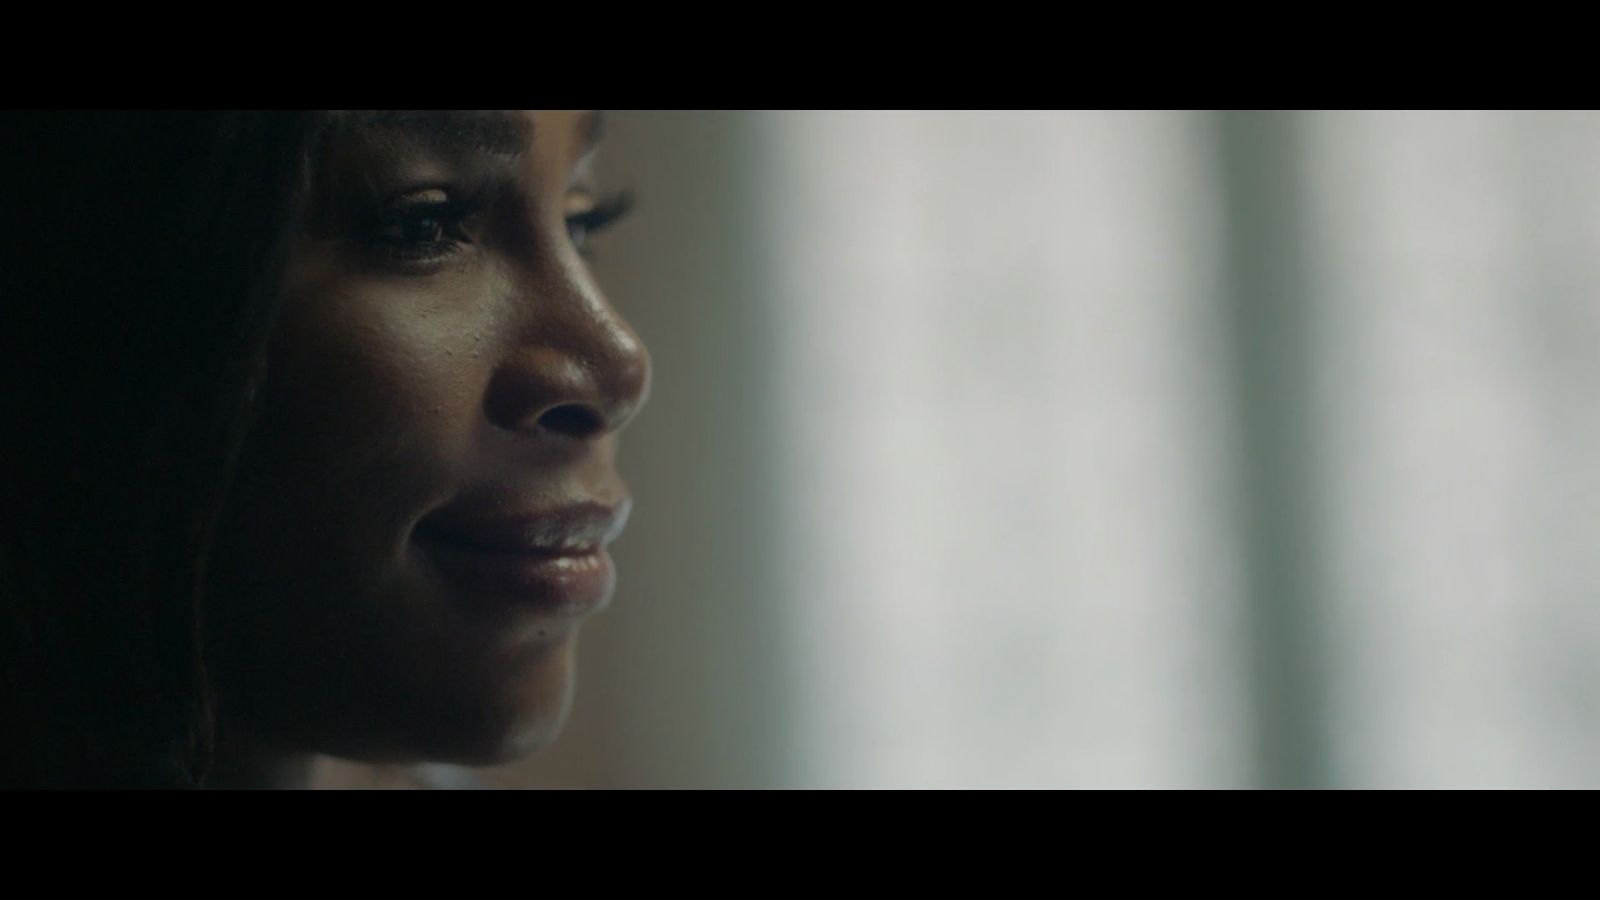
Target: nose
578, 371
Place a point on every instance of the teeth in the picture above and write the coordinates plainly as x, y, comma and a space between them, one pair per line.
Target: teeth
561, 541
566, 546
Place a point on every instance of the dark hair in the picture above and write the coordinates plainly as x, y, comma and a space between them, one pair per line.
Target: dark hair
140, 260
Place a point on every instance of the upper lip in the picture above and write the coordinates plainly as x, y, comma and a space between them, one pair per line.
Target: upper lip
574, 530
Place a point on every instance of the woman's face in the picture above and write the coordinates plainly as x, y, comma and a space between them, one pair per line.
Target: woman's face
420, 521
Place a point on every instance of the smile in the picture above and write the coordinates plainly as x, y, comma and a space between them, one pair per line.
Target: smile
555, 563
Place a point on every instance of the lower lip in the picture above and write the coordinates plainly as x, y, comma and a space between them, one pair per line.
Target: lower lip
564, 586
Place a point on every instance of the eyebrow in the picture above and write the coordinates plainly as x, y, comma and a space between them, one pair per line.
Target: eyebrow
495, 132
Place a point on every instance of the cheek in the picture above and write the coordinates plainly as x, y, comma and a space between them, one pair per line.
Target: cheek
357, 428
383, 371
328, 632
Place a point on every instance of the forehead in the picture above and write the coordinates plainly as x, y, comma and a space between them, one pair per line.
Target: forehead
552, 135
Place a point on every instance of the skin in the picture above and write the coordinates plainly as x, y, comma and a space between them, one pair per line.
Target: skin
441, 342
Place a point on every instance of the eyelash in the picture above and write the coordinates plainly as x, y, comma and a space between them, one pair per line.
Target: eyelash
605, 213
415, 232
442, 234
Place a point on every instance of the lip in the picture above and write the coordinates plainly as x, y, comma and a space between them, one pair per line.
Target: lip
553, 561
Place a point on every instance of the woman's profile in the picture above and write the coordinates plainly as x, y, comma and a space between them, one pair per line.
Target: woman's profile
310, 426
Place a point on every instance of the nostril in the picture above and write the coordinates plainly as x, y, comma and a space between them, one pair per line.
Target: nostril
573, 420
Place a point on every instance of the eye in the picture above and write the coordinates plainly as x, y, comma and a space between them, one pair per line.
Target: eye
587, 216
418, 227
412, 226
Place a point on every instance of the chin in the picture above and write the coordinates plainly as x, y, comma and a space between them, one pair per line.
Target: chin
518, 715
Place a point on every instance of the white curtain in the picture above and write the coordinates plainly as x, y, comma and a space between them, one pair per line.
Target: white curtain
1458, 314
1018, 420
